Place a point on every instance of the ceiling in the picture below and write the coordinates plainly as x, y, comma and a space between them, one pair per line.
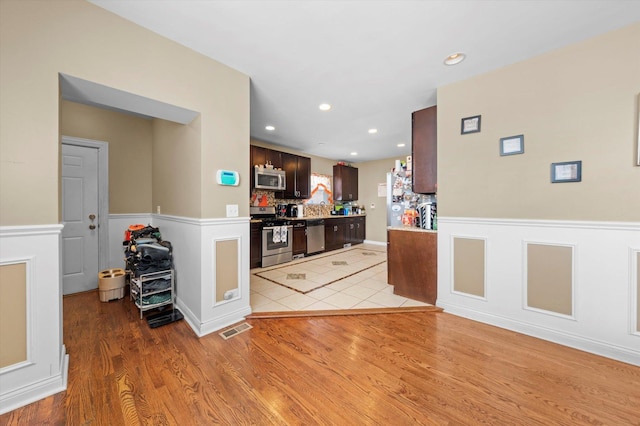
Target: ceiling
373, 61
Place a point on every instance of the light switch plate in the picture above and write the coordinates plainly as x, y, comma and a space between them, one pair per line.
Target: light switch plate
232, 210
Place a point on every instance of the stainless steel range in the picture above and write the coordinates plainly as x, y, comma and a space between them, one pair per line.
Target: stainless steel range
277, 236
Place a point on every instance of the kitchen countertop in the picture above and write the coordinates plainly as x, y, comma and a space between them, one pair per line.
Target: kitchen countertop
332, 216
410, 229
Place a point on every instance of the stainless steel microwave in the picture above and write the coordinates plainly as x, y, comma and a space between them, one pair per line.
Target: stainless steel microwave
274, 180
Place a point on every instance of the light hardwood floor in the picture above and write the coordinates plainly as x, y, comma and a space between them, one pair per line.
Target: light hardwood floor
387, 369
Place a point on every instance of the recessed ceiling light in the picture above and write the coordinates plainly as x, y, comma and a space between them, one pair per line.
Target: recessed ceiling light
270, 128
354, 153
372, 131
324, 107
454, 58
400, 145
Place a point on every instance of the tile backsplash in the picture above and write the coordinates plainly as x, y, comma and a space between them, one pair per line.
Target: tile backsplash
262, 198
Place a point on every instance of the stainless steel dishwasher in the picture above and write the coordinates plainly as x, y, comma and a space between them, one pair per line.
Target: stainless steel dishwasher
315, 236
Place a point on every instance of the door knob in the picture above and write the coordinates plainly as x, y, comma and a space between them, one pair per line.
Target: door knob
92, 227
92, 216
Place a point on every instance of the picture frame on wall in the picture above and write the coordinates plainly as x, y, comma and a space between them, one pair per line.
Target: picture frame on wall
568, 171
512, 145
470, 125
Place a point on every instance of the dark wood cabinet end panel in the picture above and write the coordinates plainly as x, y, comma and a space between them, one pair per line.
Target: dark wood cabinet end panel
424, 150
413, 264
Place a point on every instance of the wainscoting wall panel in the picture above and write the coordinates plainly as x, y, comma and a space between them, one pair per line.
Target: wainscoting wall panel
549, 278
194, 254
227, 267
469, 266
43, 371
602, 272
13, 313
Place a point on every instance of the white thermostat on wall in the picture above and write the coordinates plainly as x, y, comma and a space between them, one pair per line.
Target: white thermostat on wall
227, 177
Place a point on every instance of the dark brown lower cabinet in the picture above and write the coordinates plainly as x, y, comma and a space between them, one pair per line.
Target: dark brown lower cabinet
343, 230
299, 238
354, 229
360, 224
334, 234
350, 230
412, 264
255, 257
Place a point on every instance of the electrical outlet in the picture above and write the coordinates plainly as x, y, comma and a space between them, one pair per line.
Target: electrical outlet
232, 210
231, 294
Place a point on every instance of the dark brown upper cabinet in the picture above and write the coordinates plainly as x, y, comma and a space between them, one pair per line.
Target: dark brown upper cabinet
345, 183
424, 150
260, 156
298, 176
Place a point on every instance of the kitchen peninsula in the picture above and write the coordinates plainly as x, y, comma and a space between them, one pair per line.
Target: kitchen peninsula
412, 258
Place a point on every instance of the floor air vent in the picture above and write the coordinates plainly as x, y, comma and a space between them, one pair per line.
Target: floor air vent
227, 334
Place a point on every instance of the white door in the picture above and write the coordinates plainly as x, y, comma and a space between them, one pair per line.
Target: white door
80, 218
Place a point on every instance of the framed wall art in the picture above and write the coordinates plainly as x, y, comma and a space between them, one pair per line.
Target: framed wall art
470, 125
568, 171
512, 145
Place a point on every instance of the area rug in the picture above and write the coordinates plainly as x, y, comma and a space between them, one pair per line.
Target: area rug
319, 271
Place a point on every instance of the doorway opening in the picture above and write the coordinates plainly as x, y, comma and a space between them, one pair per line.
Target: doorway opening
85, 212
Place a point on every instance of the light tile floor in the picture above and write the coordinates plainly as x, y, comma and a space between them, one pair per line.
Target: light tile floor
366, 289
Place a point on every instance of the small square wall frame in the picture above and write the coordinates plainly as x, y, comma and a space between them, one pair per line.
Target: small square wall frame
568, 171
512, 145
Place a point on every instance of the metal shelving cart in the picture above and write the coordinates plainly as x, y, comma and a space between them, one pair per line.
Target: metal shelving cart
153, 290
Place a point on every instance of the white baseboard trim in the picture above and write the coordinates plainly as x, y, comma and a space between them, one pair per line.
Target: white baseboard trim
208, 327
189, 316
33, 392
223, 321
562, 338
376, 243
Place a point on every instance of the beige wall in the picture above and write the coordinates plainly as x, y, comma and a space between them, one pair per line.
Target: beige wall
176, 168
469, 266
13, 314
38, 40
576, 103
130, 146
370, 174
550, 278
226, 267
